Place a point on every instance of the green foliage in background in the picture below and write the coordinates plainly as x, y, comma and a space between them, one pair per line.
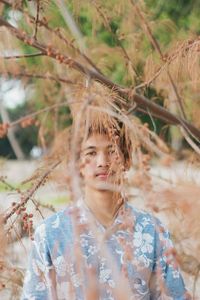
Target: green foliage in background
104, 39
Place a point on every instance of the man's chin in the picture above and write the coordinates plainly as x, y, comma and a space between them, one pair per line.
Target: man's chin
103, 185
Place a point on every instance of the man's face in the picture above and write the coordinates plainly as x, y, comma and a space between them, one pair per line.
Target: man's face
101, 160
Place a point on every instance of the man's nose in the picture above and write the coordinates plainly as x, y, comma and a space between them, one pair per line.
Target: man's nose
102, 160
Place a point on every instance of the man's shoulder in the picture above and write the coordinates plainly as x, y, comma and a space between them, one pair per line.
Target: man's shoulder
146, 219
140, 214
64, 214
60, 220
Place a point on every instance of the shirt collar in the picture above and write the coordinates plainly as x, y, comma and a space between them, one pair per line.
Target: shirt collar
124, 210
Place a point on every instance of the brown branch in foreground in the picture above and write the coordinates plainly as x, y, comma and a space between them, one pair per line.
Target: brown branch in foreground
114, 35
168, 59
143, 103
156, 46
27, 195
37, 19
43, 22
22, 56
35, 202
43, 205
147, 83
40, 76
29, 120
8, 185
36, 113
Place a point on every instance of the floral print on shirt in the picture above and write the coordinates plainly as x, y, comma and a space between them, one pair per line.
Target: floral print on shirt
137, 249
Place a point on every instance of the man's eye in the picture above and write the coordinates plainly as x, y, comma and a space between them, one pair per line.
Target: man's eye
112, 151
92, 153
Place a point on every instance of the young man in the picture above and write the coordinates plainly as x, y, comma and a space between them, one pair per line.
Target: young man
101, 247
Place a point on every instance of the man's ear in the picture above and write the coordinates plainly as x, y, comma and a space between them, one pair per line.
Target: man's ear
81, 174
80, 165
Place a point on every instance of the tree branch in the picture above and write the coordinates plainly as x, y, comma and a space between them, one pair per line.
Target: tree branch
156, 46
40, 76
36, 113
37, 19
27, 195
42, 22
22, 56
142, 103
115, 36
71, 24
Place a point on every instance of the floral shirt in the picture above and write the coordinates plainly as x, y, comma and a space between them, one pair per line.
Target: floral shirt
74, 256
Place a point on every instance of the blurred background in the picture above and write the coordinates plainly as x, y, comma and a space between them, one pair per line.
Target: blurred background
151, 47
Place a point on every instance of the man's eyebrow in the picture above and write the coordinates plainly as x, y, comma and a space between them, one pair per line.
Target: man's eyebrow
89, 148
93, 147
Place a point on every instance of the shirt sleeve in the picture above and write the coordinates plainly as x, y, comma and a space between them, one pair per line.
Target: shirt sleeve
37, 283
166, 280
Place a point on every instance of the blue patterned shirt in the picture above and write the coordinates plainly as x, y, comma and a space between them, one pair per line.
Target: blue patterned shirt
72, 253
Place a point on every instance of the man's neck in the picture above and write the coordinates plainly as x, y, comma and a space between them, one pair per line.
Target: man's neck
103, 204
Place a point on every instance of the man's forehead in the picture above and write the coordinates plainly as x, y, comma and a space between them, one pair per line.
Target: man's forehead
97, 141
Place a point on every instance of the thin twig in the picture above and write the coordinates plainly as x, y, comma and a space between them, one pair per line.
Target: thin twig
69, 20
12, 188
147, 83
115, 37
22, 56
27, 195
189, 140
34, 114
36, 207
156, 46
59, 35
169, 59
37, 19
40, 76
48, 206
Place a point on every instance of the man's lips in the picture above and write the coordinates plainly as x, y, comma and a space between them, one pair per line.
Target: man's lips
102, 175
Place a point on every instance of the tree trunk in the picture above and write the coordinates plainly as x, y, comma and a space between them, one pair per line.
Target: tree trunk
11, 133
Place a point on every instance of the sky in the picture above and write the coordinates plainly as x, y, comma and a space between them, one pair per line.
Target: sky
12, 93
